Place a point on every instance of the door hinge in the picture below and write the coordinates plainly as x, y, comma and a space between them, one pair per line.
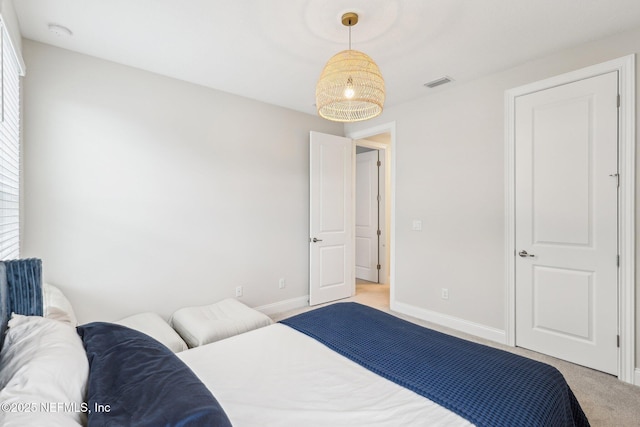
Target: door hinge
618, 260
378, 266
379, 198
618, 340
379, 163
379, 232
618, 100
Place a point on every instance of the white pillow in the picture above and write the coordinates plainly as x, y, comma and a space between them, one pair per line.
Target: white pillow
155, 326
56, 305
43, 364
208, 323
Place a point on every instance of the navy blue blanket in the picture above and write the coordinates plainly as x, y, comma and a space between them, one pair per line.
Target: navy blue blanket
487, 386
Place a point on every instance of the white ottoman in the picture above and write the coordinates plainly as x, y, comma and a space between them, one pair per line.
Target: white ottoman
208, 323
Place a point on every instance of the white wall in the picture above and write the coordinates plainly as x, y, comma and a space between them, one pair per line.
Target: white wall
450, 174
11, 21
146, 193
101, 139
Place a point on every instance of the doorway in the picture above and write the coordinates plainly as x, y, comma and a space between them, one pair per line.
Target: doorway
332, 214
371, 243
375, 143
367, 224
518, 258
566, 221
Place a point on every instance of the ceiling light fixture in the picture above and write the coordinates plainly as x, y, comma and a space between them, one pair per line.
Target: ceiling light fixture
350, 88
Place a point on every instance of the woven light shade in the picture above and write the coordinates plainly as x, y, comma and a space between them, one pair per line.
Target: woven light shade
350, 88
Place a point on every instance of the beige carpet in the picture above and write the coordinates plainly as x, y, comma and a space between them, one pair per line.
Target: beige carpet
606, 401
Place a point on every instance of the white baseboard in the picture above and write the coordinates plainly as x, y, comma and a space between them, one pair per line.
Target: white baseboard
636, 380
282, 306
458, 324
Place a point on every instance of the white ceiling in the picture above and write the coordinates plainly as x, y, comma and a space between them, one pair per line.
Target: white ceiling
274, 50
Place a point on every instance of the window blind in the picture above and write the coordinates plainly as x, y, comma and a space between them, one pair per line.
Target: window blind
9, 149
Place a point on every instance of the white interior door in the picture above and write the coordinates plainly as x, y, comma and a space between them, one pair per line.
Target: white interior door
331, 250
566, 222
367, 215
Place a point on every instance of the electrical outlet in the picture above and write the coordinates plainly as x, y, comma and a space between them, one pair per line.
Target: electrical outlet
444, 294
238, 291
282, 283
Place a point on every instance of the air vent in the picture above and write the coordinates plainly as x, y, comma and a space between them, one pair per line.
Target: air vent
438, 82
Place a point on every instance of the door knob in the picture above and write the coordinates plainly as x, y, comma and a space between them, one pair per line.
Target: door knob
524, 254
314, 240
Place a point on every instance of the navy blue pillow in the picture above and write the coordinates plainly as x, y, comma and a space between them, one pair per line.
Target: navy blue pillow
136, 381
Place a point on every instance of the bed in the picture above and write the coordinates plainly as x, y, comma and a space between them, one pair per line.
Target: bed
341, 365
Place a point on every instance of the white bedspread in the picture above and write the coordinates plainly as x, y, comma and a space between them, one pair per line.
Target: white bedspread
276, 376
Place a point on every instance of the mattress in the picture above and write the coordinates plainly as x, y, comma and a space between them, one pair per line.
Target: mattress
277, 376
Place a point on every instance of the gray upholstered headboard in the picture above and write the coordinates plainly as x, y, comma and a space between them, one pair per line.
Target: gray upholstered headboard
5, 310
20, 290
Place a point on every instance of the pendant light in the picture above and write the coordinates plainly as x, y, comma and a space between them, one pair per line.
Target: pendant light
350, 88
